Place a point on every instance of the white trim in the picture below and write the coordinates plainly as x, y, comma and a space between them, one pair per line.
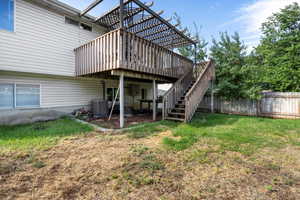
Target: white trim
7, 108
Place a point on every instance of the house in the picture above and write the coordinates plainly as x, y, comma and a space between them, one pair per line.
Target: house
53, 56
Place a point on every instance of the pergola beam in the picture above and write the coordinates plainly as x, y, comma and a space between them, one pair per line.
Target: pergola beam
150, 17
144, 27
174, 45
166, 39
112, 10
171, 42
163, 20
141, 20
134, 11
90, 7
161, 30
160, 36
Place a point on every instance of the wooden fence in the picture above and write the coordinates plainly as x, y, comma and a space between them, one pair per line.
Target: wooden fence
273, 104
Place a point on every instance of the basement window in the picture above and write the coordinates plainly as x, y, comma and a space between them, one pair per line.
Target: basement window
6, 96
19, 96
27, 95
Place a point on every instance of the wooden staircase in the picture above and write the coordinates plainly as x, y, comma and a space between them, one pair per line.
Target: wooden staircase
182, 100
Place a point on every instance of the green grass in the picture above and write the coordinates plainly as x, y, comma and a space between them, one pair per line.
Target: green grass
40, 135
229, 132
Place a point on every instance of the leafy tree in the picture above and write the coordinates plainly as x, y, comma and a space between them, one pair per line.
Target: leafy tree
189, 51
229, 55
279, 50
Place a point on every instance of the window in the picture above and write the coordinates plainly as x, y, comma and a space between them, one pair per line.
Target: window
71, 21
78, 24
7, 15
27, 95
6, 96
19, 96
111, 94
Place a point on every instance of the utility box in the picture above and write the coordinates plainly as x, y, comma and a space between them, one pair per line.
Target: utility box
100, 108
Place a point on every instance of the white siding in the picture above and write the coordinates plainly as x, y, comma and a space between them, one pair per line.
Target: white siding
62, 91
42, 42
58, 91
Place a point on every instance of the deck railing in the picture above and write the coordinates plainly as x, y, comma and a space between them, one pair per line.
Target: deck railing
120, 49
196, 93
176, 91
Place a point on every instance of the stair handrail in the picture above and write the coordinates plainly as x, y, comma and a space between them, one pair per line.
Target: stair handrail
171, 97
196, 93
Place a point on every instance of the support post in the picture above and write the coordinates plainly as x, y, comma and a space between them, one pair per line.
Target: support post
154, 107
212, 97
122, 101
122, 14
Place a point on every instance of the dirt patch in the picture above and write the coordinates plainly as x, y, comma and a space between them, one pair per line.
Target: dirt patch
114, 123
117, 167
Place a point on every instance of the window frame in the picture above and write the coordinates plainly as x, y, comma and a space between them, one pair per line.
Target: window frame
31, 106
144, 92
15, 107
114, 91
14, 20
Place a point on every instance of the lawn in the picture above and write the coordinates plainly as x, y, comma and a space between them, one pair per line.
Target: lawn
214, 157
38, 136
230, 132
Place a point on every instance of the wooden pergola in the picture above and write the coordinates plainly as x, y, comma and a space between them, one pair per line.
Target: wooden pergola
138, 18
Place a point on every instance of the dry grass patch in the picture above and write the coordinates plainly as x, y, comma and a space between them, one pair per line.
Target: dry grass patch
106, 167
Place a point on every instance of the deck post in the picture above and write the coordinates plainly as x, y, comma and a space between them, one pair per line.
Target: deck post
154, 106
122, 101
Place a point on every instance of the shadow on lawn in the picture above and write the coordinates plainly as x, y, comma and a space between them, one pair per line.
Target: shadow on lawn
40, 134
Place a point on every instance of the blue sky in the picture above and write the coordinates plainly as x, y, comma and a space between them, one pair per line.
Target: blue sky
213, 16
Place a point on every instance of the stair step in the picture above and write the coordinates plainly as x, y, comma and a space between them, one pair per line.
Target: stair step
175, 119
176, 113
180, 105
180, 109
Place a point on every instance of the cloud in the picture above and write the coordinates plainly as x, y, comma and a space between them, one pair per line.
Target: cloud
255, 14
251, 16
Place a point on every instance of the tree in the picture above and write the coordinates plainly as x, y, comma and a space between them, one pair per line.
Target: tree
229, 55
189, 51
279, 50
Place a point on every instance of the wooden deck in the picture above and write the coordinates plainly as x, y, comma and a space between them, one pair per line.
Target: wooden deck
122, 50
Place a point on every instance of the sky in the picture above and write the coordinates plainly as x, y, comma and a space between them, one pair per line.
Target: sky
211, 16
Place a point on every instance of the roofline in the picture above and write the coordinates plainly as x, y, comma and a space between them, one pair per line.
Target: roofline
61, 7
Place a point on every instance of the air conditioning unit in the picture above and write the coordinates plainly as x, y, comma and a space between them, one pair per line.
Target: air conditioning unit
100, 108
